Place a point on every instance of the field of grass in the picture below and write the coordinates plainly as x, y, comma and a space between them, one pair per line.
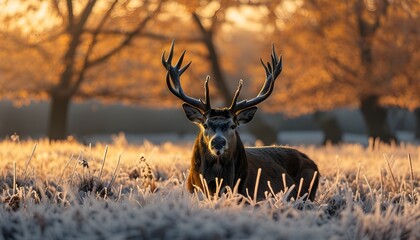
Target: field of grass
68, 190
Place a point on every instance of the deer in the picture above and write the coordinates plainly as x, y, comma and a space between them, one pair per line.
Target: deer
220, 159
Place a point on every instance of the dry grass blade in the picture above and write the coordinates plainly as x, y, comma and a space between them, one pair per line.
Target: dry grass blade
14, 177
218, 188
312, 183
114, 175
357, 180
73, 173
29, 160
381, 179
288, 192
271, 189
283, 177
119, 193
103, 163
300, 188
64, 169
370, 188
205, 188
236, 187
411, 172
257, 182
391, 173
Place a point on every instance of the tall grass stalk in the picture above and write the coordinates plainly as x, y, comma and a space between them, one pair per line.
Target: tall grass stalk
28, 161
312, 183
114, 175
14, 177
257, 183
300, 188
394, 181
103, 163
411, 173
64, 169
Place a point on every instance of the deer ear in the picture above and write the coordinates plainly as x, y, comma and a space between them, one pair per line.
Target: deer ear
246, 115
193, 113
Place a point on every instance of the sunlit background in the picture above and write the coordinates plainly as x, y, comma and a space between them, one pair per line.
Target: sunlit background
91, 69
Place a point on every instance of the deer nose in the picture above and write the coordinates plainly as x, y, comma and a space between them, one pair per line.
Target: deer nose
218, 143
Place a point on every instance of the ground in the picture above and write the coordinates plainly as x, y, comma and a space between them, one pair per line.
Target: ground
68, 190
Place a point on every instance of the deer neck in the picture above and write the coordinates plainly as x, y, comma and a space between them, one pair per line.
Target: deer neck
229, 167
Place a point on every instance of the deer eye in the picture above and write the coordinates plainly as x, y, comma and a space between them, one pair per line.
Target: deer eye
205, 126
233, 126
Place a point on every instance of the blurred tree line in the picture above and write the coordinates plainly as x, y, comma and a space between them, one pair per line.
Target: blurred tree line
355, 53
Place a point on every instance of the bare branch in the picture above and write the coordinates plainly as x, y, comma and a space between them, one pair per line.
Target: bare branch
75, 31
130, 36
55, 5
341, 65
70, 14
147, 34
44, 53
215, 20
200, 25
207, 40
92, 46
85, 14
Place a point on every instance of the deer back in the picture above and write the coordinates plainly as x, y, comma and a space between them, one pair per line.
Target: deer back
276, 161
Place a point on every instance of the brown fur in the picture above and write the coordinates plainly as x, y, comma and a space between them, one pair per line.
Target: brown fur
243, 163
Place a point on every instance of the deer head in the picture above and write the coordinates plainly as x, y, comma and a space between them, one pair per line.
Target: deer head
218, 125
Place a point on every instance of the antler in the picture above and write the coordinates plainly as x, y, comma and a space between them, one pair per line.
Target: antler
173, 81
272, 71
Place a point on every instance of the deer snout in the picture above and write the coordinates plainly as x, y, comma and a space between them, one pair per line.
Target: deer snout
218, 145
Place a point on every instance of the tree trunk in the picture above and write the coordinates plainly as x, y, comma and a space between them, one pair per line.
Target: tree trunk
330, 127
375, 117
57, 126
262, 131
417, 116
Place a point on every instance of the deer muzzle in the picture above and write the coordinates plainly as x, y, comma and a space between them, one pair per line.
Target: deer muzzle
218, 145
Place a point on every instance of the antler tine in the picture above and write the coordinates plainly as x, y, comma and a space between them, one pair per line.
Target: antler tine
206, 93
179, 63
173, 80
235, 97
168, 62
274, 55
163, 59
182, 70
272, 71
262, 63
171, 53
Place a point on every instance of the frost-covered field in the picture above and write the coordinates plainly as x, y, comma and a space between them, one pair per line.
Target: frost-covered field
72, 191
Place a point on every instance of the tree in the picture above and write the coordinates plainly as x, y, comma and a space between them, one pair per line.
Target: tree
353, 53
86, 55
74, 39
